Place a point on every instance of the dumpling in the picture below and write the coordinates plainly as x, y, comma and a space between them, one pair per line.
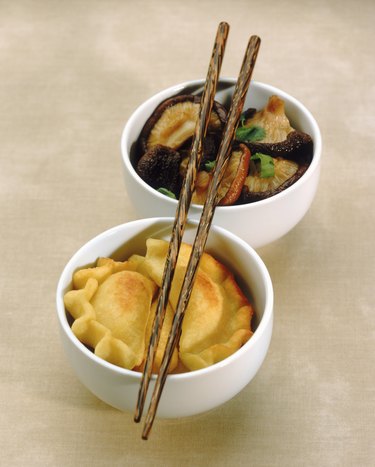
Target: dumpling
111, 305
217, 321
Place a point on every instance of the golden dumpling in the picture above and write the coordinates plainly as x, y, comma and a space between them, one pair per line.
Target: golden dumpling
217, 321
114, 303
111, 305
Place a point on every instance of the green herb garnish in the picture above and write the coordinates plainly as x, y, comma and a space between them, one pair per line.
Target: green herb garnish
209, 165
267, 166
242, 119
251, 133
166, 192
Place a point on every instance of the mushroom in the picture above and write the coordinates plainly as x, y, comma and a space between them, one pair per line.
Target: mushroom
283, 173
211, 145
271, 119
268, 154
269, 131
233, 180
173, 122
234, 176
159, 167
297, 146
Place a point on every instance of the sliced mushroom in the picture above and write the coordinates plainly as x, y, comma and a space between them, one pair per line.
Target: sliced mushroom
234, 177
297, 146
211, 145
202, 183
271, 119
165, 143
173, 122
269, 131
256, 187
159, 167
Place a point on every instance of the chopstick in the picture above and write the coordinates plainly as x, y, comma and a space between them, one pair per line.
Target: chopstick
178, 229
204, 223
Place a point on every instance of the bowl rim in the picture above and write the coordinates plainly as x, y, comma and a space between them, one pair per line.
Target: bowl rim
65, 278
170, 91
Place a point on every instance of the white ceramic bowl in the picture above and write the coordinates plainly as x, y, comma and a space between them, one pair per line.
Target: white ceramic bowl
257, 223
187, 393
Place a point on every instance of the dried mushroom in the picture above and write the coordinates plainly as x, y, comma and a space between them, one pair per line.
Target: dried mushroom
211, 145
269, 131
268, 154
235, 176
202, 183
159, 167
271, 122
173, 122
269, 176
297, 146
233, 180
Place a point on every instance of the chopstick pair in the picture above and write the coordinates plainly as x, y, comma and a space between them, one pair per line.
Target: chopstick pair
212, 200
183, 206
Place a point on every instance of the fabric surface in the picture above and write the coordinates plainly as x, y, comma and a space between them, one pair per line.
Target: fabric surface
71, 74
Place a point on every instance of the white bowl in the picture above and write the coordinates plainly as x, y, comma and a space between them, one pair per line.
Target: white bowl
258, 223
184, 394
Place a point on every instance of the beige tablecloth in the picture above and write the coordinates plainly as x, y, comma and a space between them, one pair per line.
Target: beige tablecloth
71, 73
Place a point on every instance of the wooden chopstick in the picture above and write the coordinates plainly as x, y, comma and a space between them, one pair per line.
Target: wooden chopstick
205, 222
178, 229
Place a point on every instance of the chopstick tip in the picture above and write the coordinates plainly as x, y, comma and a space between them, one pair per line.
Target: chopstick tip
146, 431
223, 28
255, 40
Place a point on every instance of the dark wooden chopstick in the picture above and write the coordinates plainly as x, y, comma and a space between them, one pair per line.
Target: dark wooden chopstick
205, 222
178, 229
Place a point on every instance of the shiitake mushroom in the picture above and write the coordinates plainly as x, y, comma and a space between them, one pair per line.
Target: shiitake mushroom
291, 159
165, 143
159, 167
235, 175
269, 134
297, 146
173, 122
268, 131
210, 149
232, 182
271, 120
256, 187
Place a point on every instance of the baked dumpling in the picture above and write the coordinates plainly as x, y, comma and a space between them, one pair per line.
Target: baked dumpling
217, 321
111, 305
